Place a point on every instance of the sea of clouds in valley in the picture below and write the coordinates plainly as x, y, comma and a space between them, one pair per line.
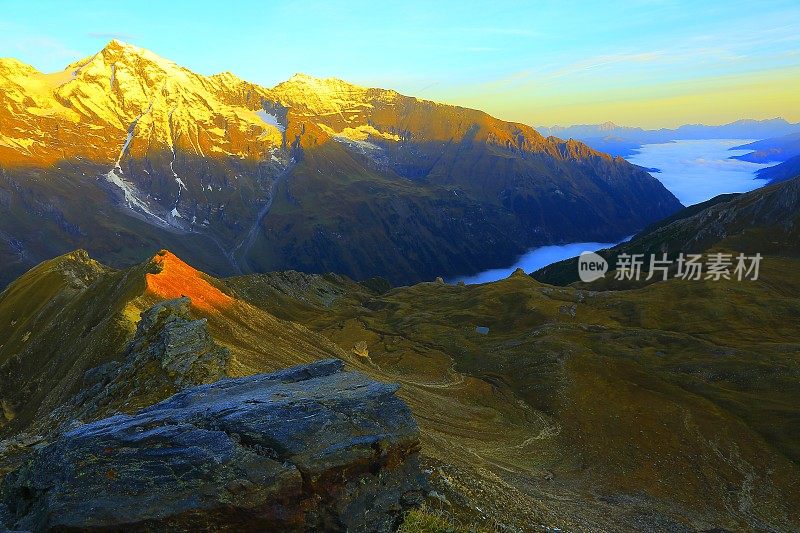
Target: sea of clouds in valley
693, 170
697, 170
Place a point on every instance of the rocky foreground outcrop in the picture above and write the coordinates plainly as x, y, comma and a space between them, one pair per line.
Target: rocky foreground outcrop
312, 447
170, 351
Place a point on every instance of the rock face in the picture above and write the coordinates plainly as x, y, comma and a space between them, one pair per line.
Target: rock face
309, 448
169, 352
183, 347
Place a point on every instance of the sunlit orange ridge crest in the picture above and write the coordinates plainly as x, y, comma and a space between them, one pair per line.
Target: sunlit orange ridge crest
177, 279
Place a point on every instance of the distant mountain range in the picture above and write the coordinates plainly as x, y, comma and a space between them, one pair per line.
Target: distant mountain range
125, 152
624, 140
773, 150
784, 149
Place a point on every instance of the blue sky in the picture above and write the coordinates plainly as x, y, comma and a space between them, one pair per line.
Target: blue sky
639, 62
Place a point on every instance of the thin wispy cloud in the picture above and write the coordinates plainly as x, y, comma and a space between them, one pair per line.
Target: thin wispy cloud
697, 55
107, 36
518, 32
480, 49
426, 87
554, 71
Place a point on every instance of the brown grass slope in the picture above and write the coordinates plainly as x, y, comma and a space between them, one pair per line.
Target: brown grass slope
670, 407
673, 406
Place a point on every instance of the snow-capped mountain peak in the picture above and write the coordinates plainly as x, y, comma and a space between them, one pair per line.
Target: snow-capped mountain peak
92, 106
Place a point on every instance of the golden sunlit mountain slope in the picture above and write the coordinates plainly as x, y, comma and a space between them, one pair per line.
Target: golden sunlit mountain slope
90, 108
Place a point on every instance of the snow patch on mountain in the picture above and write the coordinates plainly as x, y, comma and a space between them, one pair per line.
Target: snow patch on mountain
360, 133
131, 194
364, 147
271, 120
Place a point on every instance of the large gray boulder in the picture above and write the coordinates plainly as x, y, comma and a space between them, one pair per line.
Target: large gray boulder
309, 448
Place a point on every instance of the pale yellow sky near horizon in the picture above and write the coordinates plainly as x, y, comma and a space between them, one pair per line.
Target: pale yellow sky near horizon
713, 101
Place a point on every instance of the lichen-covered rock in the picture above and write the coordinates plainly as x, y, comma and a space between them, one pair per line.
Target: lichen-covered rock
169, 352
310, 448
183, 347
